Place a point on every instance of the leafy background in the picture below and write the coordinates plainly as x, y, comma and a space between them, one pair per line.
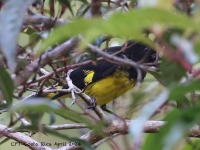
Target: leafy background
171, 94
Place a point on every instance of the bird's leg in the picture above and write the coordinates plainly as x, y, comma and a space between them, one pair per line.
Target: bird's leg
92, 105
71, 86
104, 108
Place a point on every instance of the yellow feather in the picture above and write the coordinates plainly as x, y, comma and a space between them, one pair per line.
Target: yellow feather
106, 89
111, 87
50, 95
89, 76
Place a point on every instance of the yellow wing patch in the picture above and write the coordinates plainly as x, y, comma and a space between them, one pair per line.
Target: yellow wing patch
88, 76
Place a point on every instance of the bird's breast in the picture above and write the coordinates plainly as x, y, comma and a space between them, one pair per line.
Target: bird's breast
111, 87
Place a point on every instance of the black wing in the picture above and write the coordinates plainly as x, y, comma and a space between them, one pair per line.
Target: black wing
91, 73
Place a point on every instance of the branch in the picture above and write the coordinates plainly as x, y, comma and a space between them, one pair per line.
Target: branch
22, 138
97, 109
63, 68
66, 126
59, 51
127, 62
116, 59
118, 127
44, 20
85, 63
96, 8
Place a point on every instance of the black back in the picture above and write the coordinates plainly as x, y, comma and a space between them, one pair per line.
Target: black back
134, 51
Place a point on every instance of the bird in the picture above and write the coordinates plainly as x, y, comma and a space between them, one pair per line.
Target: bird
104, 80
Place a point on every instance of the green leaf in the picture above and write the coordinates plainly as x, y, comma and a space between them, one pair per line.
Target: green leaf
178, 124
193, 144
169, 33
67, 3
30, 30
3, 106
136, 128
34, 105
84, 1
197, 46
78, 141
137, 99
11, 19
4, 141
178, 91
82, 10
116, 25
72, 29
6, 85
170, 72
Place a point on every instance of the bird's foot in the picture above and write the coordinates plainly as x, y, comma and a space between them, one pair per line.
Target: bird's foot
92, 105
72, 88
104, 108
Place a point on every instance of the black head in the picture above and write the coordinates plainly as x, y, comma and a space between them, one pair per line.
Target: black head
139, 52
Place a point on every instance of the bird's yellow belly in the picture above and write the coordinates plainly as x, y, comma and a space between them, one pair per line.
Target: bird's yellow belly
110, 87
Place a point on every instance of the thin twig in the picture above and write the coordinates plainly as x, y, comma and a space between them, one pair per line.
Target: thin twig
104, 140
117, 59
80, 64
36, 19
61, 50
66, 126
24, 121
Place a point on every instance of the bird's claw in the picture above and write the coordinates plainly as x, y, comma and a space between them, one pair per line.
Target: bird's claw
92, 105
71, 86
